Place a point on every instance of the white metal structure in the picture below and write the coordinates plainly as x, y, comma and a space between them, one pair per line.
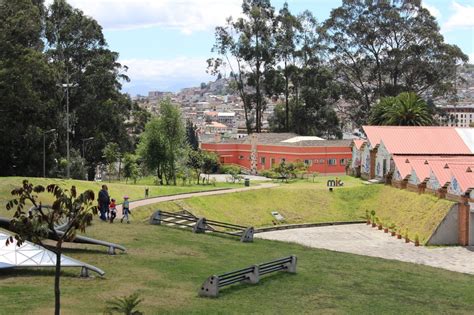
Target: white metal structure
31, 255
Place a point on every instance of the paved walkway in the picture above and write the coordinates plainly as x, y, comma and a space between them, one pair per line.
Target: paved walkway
148, 201
223, 178
361, 239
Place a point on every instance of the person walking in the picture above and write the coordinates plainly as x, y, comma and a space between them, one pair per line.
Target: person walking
125, 210
104, 201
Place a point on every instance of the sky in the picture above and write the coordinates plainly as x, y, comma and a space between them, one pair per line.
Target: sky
165, 43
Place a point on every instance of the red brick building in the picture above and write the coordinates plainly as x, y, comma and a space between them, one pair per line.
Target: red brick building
262, 151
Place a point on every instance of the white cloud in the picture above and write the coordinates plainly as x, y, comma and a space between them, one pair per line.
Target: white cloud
169, 74
471, 58
433, 10
185, 15
463, 17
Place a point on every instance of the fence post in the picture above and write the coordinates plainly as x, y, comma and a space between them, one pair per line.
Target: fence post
200, 226
155, 218
210, 287
247, 235
254, 276
84, 272
291, 265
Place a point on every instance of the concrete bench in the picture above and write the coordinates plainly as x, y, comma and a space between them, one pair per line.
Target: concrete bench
202, 225
252, 274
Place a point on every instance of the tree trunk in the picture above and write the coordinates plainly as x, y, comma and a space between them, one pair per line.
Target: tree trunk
120, 167
57, 275
287, 107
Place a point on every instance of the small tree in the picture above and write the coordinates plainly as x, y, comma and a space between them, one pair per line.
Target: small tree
111, 154
130, 167
195, 162
210, 163
35, 225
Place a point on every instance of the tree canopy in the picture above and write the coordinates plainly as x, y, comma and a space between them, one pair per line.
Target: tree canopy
41, 50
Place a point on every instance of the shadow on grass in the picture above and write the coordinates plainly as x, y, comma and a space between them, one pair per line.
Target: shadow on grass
266, 279
72, 250
39, 272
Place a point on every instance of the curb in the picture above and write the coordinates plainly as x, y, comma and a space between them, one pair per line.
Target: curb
303, 225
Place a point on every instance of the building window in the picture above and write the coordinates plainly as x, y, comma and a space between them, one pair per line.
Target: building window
343, 161
241, 157
262, 160
321, 161
332, 161
308, 162
272, 162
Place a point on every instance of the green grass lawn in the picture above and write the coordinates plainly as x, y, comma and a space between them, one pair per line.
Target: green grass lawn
308, 202
166, 267
116, 190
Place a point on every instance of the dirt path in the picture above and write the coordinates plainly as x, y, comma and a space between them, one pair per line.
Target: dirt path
148, 201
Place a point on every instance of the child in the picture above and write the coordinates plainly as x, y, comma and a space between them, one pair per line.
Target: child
113, 210
125, 209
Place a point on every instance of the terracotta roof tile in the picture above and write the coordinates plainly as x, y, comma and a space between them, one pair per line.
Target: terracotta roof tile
418, 140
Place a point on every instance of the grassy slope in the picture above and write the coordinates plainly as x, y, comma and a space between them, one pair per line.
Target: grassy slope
303, 201
167, 266
116, 190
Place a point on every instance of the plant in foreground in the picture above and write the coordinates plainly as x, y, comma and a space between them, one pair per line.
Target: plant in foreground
125, 305
35, 224
393, 228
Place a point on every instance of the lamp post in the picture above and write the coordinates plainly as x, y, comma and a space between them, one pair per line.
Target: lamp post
67, 85
84, 140
44, 150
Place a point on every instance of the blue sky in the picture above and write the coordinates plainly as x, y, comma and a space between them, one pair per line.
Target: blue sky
165, 43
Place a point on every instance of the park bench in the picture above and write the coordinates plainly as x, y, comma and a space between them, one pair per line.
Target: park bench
252, 274
201, 225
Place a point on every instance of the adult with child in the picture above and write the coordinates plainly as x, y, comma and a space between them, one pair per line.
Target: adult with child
104, 201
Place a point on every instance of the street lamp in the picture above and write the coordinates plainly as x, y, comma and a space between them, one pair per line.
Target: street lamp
84, 140
44, 150
67, 85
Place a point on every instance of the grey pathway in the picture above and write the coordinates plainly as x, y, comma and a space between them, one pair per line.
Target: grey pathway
363, 240
149, 201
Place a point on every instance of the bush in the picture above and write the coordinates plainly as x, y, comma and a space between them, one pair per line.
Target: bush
229, 169
268, 173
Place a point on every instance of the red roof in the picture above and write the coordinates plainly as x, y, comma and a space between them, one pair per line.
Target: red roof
417, 140
435, 163
421, 168
403, 168
443, 175
465, 179
358, 143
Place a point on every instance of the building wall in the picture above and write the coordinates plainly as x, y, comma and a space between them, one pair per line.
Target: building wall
458, 116
356, 156
447, 231
365, 161
325, 160
433, 183
382, 155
